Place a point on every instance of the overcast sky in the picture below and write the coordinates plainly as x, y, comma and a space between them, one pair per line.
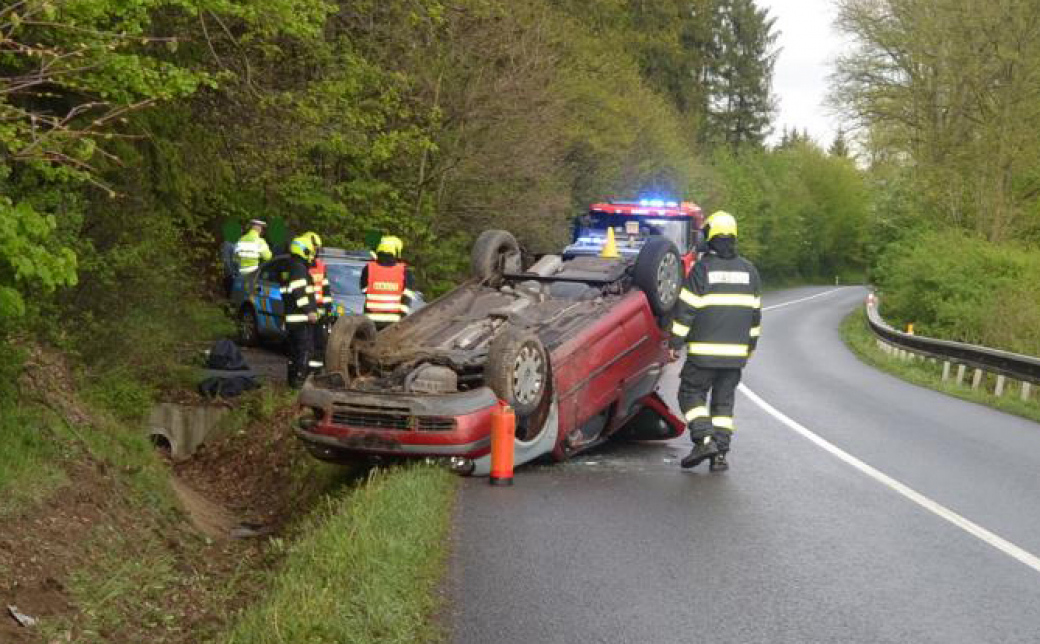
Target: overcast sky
808, 43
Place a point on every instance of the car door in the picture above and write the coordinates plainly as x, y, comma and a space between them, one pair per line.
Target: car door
268, 297
612, 355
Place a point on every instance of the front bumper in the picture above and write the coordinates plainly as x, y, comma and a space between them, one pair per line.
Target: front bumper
397, 423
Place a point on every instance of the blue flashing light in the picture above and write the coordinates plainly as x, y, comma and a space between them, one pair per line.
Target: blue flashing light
658, 203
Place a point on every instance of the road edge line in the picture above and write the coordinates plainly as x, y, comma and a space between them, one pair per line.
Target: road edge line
972, 528
803, 299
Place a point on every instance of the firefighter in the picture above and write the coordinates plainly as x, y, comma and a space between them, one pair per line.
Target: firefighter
719, 320
387, 283
322, 299
301, 310
252, 249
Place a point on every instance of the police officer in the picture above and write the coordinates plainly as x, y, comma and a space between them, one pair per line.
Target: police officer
387, 283
301, 310
719, 320
252, 249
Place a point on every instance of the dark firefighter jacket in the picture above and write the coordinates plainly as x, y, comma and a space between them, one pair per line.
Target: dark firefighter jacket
298, 292
719, 314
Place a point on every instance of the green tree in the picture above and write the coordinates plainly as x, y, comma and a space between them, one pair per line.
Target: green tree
953, 87
839, 147
740, 72
74, 74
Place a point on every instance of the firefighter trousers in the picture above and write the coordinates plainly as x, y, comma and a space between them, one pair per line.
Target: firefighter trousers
716, 420
321, 341
301, 346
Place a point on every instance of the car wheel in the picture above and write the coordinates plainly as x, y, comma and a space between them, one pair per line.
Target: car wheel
340, 354
495, 252
517, 371
658, 273
248, 327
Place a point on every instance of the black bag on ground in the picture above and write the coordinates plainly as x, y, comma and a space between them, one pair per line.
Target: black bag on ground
226, 356
227, 373
227, 387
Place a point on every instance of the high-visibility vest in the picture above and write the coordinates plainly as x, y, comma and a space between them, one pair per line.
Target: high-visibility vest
250, 250
384, 294
320, 279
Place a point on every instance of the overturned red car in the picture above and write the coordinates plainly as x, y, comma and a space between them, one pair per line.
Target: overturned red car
575, 344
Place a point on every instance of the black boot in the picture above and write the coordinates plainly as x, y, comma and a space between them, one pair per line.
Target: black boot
719, 463
702, 449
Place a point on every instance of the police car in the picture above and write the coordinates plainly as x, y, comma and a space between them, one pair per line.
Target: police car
257, 298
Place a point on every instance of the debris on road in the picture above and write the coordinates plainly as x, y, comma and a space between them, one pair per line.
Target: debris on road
250, 531
23, 619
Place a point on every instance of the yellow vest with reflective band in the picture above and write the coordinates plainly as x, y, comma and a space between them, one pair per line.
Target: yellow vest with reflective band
250, 250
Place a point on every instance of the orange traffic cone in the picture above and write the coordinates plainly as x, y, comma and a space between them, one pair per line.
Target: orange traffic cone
503, 433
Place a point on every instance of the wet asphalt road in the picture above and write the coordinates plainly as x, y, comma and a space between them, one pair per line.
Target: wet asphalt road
792, 544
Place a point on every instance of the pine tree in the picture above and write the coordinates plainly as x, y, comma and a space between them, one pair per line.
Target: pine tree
840, 147
739, 74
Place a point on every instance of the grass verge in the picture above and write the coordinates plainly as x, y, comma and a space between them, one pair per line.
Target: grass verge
859, 338
367, 568
28, 468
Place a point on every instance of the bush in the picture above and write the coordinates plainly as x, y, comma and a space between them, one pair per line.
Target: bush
956, 286
122, 394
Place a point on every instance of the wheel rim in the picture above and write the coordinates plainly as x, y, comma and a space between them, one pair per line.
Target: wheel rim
668, 279
528, 375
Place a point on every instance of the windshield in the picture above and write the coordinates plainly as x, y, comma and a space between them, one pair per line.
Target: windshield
594, 226
343, 278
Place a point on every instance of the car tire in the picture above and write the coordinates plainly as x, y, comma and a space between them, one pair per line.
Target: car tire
340, 351
495, 252
517, 371
248, 327
658, 273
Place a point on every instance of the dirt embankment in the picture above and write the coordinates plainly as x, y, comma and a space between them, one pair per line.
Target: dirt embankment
254, 474
54, 557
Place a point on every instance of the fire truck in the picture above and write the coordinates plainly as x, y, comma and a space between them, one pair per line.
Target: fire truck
634, 222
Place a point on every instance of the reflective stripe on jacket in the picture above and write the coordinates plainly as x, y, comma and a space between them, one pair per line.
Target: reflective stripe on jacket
250, 250
719, 314
320, 280
298, 293
385, 292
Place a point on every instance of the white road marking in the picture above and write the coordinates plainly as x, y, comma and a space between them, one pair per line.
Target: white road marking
802, 299
939, 510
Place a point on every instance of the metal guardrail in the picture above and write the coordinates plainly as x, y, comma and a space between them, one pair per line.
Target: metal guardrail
1004, 363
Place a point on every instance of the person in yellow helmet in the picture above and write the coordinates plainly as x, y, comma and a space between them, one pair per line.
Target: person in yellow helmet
301, 310
323, 299
719, 320
388, 284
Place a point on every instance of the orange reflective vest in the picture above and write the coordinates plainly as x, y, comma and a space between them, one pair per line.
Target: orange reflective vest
320, 279
385, 292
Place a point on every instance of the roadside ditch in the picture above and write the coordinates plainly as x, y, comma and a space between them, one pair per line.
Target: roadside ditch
132, 545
